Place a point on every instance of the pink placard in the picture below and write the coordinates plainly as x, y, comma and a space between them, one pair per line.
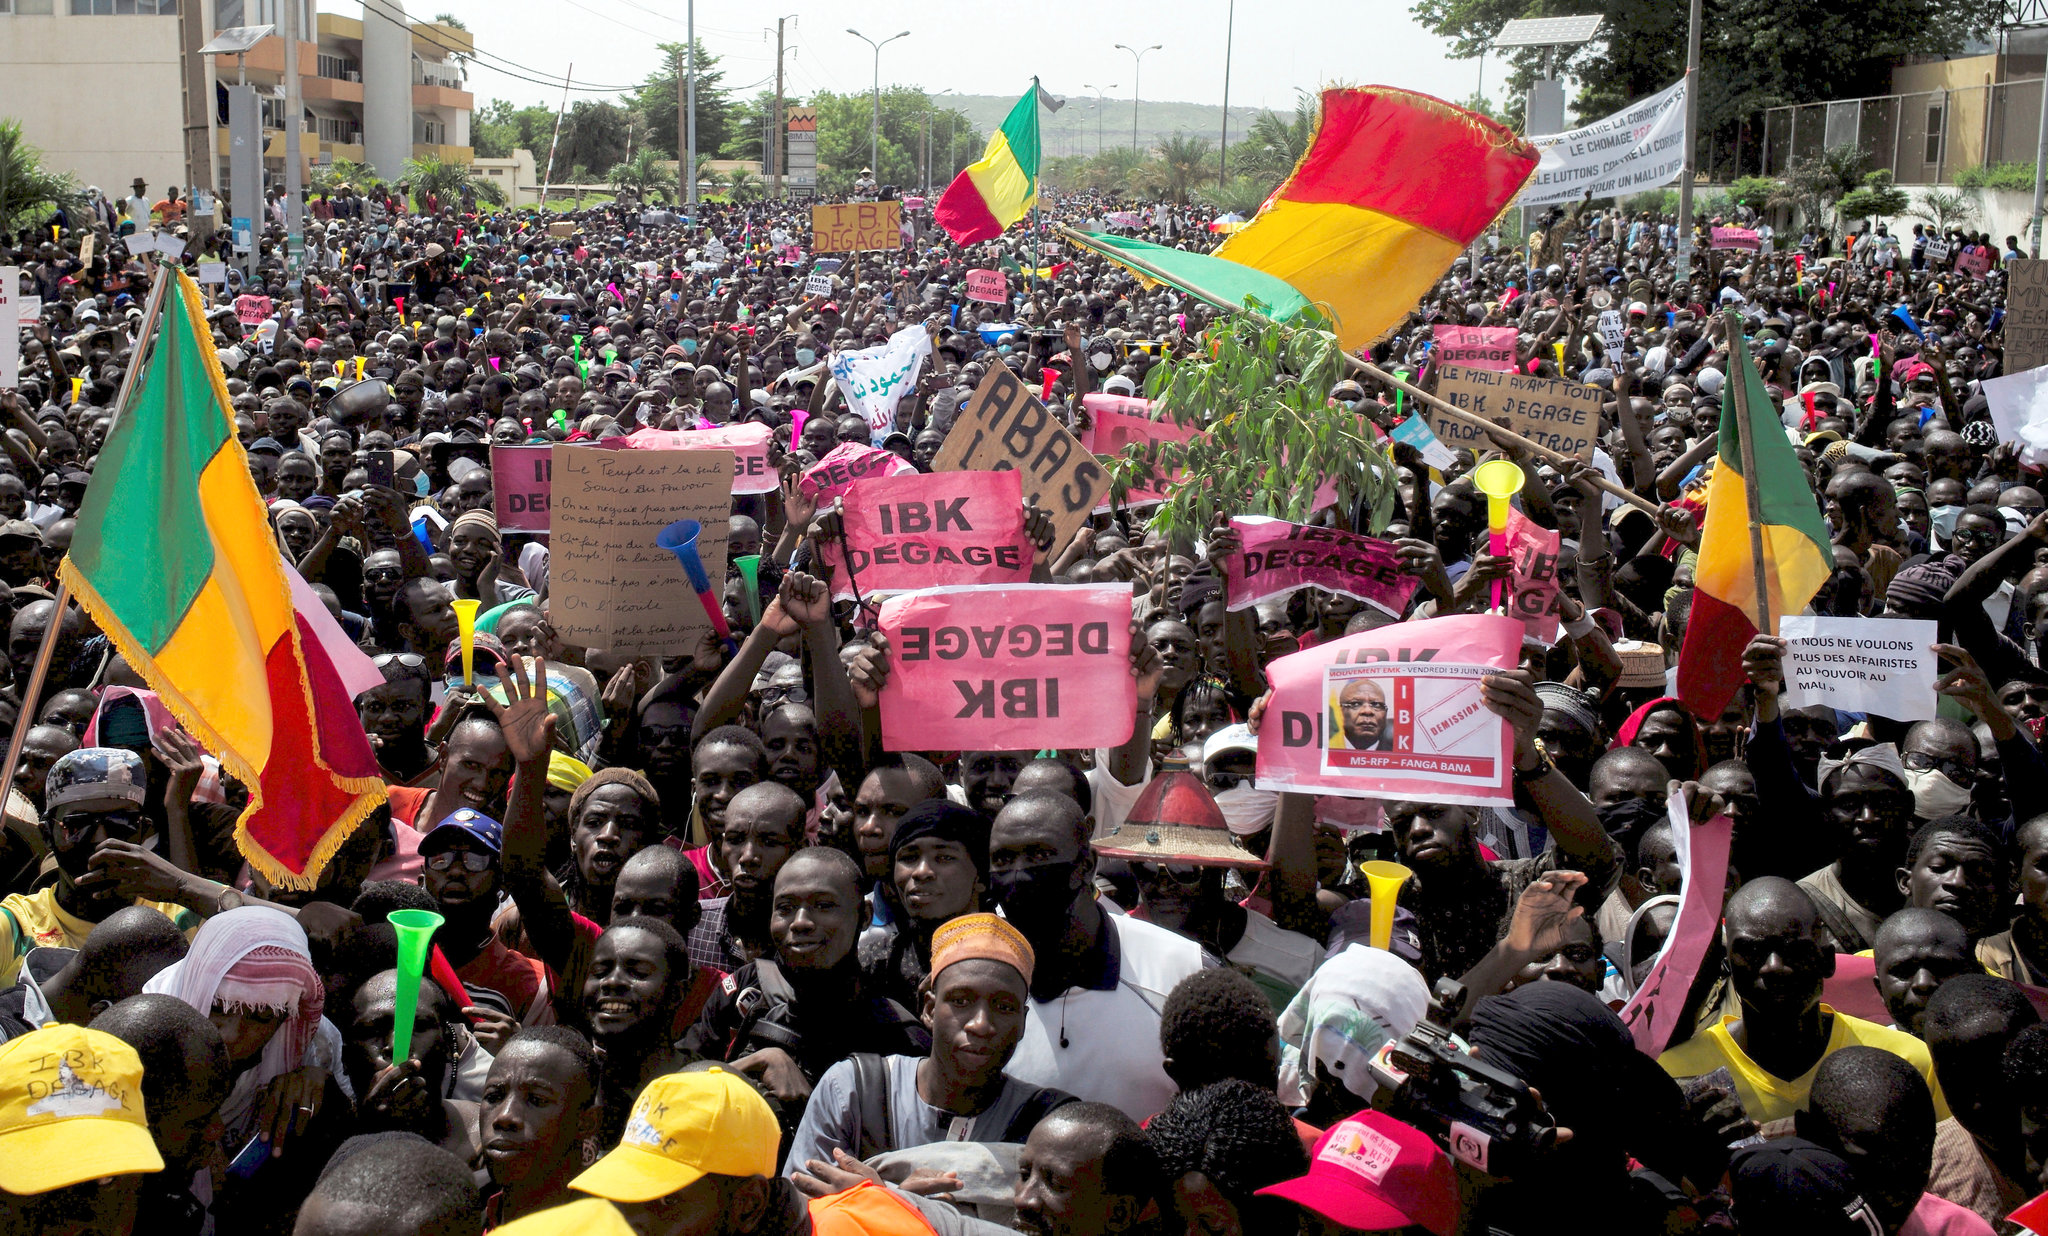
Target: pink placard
926, 530
1008, 668
1653, 1012
753, 472
522, 477
1298, 730
1533, 590
1737, 238
1475, 347
251, 309
1280, 557
988, 286
1976, 262
1116, 421
846, 463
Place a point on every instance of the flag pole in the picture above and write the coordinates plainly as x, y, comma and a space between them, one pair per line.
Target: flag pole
1361, 367
25, 720
1745, 436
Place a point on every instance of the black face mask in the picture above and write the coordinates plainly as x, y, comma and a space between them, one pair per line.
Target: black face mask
1626, 821
1035, 897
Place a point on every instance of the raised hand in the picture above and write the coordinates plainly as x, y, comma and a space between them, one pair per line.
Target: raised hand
528, 726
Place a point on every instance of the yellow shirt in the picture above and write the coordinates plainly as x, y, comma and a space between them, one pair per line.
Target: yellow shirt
1767, 1097
46, 924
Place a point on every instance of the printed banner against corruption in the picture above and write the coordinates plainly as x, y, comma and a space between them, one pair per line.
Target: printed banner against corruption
1884, 666
1639, 147
1563, 416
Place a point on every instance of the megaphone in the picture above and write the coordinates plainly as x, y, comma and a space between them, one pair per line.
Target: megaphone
1500, 480
415, 930
1384, 879
680, 539
465, 625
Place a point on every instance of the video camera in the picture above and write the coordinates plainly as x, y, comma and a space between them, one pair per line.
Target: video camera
1483, 1116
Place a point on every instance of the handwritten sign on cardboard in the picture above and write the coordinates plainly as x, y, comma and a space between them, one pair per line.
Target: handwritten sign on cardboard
610, 585
1563, 416
1004, 428
2026, 314
849, 227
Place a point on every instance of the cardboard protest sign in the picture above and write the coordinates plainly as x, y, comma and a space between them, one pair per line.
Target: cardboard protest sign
874, 380
1008, 668
1475, 347
1115, 422
927, 530
1653, 1012
848, 227
610, 585
1416, 727
843, 465
1884, 666
1563, 416
1005, 427
521, 479
1532, 593
562, 228
988, 286
1742, 238
1280, 557
2026, 314
752, 470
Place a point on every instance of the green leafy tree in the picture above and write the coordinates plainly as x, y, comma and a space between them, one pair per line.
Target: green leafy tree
1243, 195
1276, 142
642, 176
1262, 395
593, 135
1946, 210
1814, 185
1875, 198
1754, 192
1183, 163
845, 122
658, 101
446, 183
498, 128
743, 186
30, 192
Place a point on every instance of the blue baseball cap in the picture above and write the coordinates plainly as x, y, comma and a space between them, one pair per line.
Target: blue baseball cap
479, 827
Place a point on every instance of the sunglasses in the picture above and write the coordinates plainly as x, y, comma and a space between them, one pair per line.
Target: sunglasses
472, 861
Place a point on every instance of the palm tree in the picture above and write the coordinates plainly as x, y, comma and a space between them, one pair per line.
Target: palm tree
1182, 159
743, 185
1112, 170
446, 183
1243, 195
1276, 143
639, 175
1815, 185
1945, 210
28, 190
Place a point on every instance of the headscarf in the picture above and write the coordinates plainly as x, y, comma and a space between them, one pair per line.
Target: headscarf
1626, 735
566, 772
948, 821
257, 957
157, 715
1354, 1002
487, 622
1883, 757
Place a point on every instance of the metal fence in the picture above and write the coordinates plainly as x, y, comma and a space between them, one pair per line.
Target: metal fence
1921, 138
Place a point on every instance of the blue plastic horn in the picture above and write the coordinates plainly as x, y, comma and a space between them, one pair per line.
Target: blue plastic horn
680, 539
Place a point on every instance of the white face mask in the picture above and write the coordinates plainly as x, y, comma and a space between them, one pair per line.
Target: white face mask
1247, 810
1935, 794
1944, 518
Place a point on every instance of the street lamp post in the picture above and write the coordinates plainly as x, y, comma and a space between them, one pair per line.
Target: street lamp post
1223, 148
1099, 92
875, 137
928, 139
1137, 63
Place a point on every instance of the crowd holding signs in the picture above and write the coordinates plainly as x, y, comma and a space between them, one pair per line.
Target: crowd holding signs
890, 684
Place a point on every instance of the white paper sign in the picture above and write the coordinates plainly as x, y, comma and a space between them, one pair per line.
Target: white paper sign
31, 309
1639, 147
874, 379
2018, 401
1613, 332
141, 242
1884, 666
819, 284
170, 246
213, 272
10, 340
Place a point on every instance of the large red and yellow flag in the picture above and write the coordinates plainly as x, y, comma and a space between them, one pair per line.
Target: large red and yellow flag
1393, 187
1797, 556
174, 558
999, 189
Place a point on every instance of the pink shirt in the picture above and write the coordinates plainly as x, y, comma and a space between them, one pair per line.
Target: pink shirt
1937, 1216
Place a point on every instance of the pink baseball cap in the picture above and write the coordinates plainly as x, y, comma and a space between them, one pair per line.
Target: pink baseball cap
1372, 1173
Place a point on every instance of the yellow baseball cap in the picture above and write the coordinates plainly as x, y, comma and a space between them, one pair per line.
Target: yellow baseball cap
686, 1126
593, 1216
71, 1110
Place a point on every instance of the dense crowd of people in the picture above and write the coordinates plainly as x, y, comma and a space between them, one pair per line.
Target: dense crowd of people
715, 961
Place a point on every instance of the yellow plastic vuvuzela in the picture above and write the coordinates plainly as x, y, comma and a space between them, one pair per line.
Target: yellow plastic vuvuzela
1385, 880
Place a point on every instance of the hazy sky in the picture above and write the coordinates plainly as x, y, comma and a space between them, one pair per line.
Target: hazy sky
1280, 45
